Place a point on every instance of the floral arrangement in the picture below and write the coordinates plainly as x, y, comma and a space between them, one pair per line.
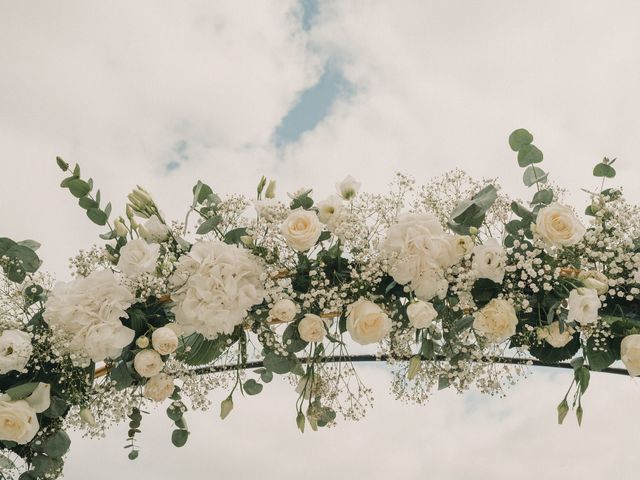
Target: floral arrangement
452, 295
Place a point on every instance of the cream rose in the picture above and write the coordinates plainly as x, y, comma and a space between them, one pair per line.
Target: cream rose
594, 279
284, 310
366, 322
489, 261
421, 314
15, 350
630, 354
18, 418
348, 187
153, 230
558, 226
496, 321
583, 305
463, 245
301, 229
138, 257
312, 328
148, 363
552, 335
164, 341
159, 387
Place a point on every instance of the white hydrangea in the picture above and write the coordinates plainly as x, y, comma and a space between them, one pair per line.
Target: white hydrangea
215, 285
89, 310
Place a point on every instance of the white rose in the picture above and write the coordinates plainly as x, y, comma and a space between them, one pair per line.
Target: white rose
216, 284
301, 229
463, 245
558, 226
312, 328
630, 354
138, 257
366, 322
284, 310
421, 314
159, 387
496, 321
164, 341
102, 340
551, 333
148, 363
153, 230
15, 350
348, 187
18, 418
329, 209
583, 305
429, 284
594, 279
489, 261
77, 307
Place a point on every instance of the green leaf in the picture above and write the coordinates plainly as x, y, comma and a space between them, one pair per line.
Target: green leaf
64, 166
121, 375
266, 376
252, 387
600, 356
97, 216
57, 445
5, 245
548, 354
604, 170
443, 382
133, 454
524, 213
414, 367
21, 392
291, 339
87, 203
519, 138
174, 411
78, 188
209, 225
233, 236
57, 408
179, 437
32, 244
323, 236
205, 191
533, 175
582, 376
543, 197
528, 155
279, 364
202, 351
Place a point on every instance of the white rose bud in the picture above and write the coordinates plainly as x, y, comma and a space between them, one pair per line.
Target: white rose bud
283, 310
15, 350
630, 354
496, 321
153, 230
552, 335
558, 226
348, 187
138, 257
148, 363
142, 342
159, 387
583, 305
271, 190
594, 279
164, 341
312, 328
421, 314
366, 322
301, 229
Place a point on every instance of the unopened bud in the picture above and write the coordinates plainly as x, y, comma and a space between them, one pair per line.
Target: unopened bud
119, 227
271, 190
142, 342
87, 417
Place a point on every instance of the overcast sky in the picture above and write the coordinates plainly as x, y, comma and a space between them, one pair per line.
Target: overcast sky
165, 93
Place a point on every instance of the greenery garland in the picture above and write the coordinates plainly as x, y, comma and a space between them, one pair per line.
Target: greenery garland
453, 296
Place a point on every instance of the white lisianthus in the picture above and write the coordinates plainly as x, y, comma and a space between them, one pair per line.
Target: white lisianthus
558, 226
421, 314
489, 261
148, 363
630, 354
583, 305
159, 387
215, 285
79, 308
329, 209
553, 336
18, 418
463, 245
164, 341
15, 350
366, 322
594, 279
138, 257
153, 230
496, 321
348, 187
312, 328
301, 229
284, 310
429, 284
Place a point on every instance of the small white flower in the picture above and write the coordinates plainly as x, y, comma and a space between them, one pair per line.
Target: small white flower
148, 363
138, 257
583, 305
348, 187
421, 314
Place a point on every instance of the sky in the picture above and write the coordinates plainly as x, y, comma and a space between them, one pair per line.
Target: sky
165, 93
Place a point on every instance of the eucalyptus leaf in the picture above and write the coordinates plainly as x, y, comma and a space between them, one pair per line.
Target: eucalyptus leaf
519, 138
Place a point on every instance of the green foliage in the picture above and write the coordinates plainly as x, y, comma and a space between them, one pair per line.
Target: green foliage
542, 197
233, 237
291, 339
197, 350
600, 355
179, 437
472, 212
519, 139
534, 175
121, 375
251, 387
56, 445
528, 155
548, 354
484, 290
20, 392
21, 259
604, 169
209, 225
